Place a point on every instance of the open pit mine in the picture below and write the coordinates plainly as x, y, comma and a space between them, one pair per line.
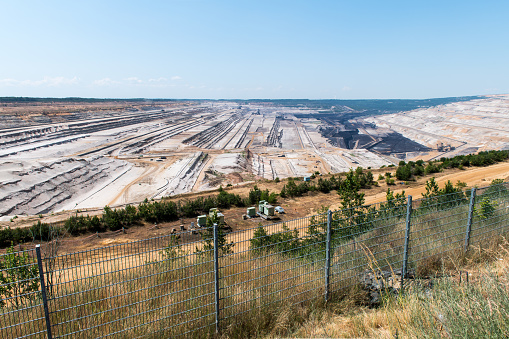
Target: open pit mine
54, 160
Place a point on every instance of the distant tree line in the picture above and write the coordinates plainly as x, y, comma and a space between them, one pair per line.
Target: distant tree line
76, 100
113, 219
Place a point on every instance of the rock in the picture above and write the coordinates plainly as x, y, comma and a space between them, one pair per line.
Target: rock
380, 283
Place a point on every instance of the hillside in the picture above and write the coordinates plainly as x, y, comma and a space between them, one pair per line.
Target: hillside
473, 306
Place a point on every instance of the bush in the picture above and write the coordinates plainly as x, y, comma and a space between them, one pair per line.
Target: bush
485, 208
285, 242
255, 195
19, 278
404, 173
79, 225
418, 170
444, 198
112, 218
431, 168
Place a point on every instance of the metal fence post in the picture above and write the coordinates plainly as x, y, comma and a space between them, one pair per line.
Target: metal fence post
470, 217
327, 255
43, 291
216, 276
407, 239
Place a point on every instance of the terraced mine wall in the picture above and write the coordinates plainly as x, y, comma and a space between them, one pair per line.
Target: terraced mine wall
28, 139
42, 189
209, 137
244, 134
275, 134
185, 178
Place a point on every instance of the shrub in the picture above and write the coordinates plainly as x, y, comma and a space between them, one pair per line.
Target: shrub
444, 198
19, 278
404, 172
485, 208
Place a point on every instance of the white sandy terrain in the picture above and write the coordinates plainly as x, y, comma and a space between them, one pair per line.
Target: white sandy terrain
115, 158
480, 124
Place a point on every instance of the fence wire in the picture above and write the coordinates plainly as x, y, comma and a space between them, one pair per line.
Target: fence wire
21, 311
166, 286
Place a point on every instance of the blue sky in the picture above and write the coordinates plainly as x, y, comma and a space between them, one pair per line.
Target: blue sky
254, 49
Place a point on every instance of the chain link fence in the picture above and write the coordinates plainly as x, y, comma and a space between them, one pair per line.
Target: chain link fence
199, 282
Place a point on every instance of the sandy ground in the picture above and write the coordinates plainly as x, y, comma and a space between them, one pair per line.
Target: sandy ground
473, 177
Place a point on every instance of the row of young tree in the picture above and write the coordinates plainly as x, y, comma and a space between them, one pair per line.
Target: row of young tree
118, 218
359, 177
407, 171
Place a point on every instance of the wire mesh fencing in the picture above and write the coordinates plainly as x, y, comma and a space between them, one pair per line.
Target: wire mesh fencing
21, 308
198, 282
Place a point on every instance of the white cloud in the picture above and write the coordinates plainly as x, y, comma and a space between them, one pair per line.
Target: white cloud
134, 80
46, 82
105, 82
176, 77
152, 82
161, 79
346, 89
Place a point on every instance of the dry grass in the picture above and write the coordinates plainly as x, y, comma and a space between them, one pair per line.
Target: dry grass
452, 308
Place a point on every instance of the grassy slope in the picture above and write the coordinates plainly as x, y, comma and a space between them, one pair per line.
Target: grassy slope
452, 308
149, 293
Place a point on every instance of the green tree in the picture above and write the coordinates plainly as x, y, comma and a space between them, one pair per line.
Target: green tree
18, 277
485, 208
497, 189
395, 204
112, 218
285, 242
318, 223
349, 192
444, 198
261, 241
255, 195
207, 236
404, 172
418, 170
350, 220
